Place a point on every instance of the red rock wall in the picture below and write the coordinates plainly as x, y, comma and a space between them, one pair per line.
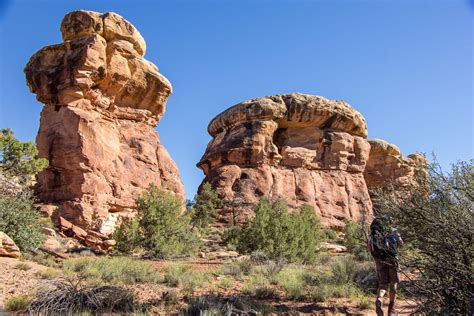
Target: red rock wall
300, 148
102, 101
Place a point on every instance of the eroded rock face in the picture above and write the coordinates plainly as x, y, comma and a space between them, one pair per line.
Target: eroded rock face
301, 148
388, 168
102, 102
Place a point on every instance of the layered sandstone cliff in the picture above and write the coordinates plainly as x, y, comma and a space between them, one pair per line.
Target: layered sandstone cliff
388, 168
102, 100
301, 148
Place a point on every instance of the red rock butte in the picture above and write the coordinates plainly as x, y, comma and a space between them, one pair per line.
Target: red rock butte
301, 148
102, 100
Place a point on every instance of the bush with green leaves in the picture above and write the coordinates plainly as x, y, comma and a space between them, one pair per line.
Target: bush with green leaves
160, 229
204, 210
436, 220
20, 221
355, 240
281, 235
19, 159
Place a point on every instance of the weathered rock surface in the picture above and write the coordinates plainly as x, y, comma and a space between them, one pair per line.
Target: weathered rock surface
102, 102
301, 148
388, 168
8, 248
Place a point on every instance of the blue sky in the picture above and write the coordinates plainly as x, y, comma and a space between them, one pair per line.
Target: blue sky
407, 66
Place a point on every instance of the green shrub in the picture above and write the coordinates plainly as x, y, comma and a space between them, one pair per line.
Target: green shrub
19, 160
18, 303
293, 282
20, 221
159, 227
331, 235
113, 269
355, 240
204, 211
279, 234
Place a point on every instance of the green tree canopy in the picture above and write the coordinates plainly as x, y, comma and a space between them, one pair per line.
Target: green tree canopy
19, 159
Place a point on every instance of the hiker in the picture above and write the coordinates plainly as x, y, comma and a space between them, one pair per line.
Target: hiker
383, 244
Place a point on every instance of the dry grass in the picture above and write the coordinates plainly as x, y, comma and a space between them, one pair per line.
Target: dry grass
66, 297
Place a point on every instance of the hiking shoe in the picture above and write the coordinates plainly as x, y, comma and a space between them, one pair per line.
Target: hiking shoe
378, 307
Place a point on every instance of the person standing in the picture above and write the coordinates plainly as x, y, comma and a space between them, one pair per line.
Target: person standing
383, 244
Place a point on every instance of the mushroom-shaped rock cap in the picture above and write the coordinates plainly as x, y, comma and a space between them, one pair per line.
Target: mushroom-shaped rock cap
380, 146
109, 25
293, 110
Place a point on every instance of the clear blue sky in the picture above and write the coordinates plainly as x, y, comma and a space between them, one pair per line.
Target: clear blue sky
406, 65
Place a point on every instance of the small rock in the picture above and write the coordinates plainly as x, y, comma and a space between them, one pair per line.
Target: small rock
8, 248
109, 242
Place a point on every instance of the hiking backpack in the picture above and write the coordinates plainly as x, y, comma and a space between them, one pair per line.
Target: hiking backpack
381, 243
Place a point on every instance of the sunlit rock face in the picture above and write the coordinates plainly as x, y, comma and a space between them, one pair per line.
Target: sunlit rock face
387, 167
301, 148
102, 100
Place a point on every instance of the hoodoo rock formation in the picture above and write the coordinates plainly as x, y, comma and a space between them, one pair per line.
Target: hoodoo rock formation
301, 148
388, 168
102, 100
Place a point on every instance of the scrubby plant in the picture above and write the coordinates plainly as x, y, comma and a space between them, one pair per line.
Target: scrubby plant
19, 160
160, 228
182, 276
355, 240
226, 283
204, 210
293, 281
113, 269
23, 266
436, 219
278, 234
71, 297
19, 303
49, 274
20, 221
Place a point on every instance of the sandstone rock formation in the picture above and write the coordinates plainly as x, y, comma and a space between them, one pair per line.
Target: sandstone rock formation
388, 168
8, 248
102, 100
301, 148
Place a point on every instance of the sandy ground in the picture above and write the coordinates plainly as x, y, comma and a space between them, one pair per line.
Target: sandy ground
14, 281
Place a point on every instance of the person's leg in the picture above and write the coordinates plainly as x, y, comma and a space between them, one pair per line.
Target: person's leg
383, 278
394, 279
392, 296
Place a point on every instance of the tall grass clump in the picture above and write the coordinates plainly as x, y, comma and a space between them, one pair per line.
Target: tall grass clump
113, 269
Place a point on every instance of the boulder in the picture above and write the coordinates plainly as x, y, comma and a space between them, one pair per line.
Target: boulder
388, 168
8, 248
102, 101
301, 148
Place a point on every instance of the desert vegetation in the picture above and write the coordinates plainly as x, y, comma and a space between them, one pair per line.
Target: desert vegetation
437, 220
281, 266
